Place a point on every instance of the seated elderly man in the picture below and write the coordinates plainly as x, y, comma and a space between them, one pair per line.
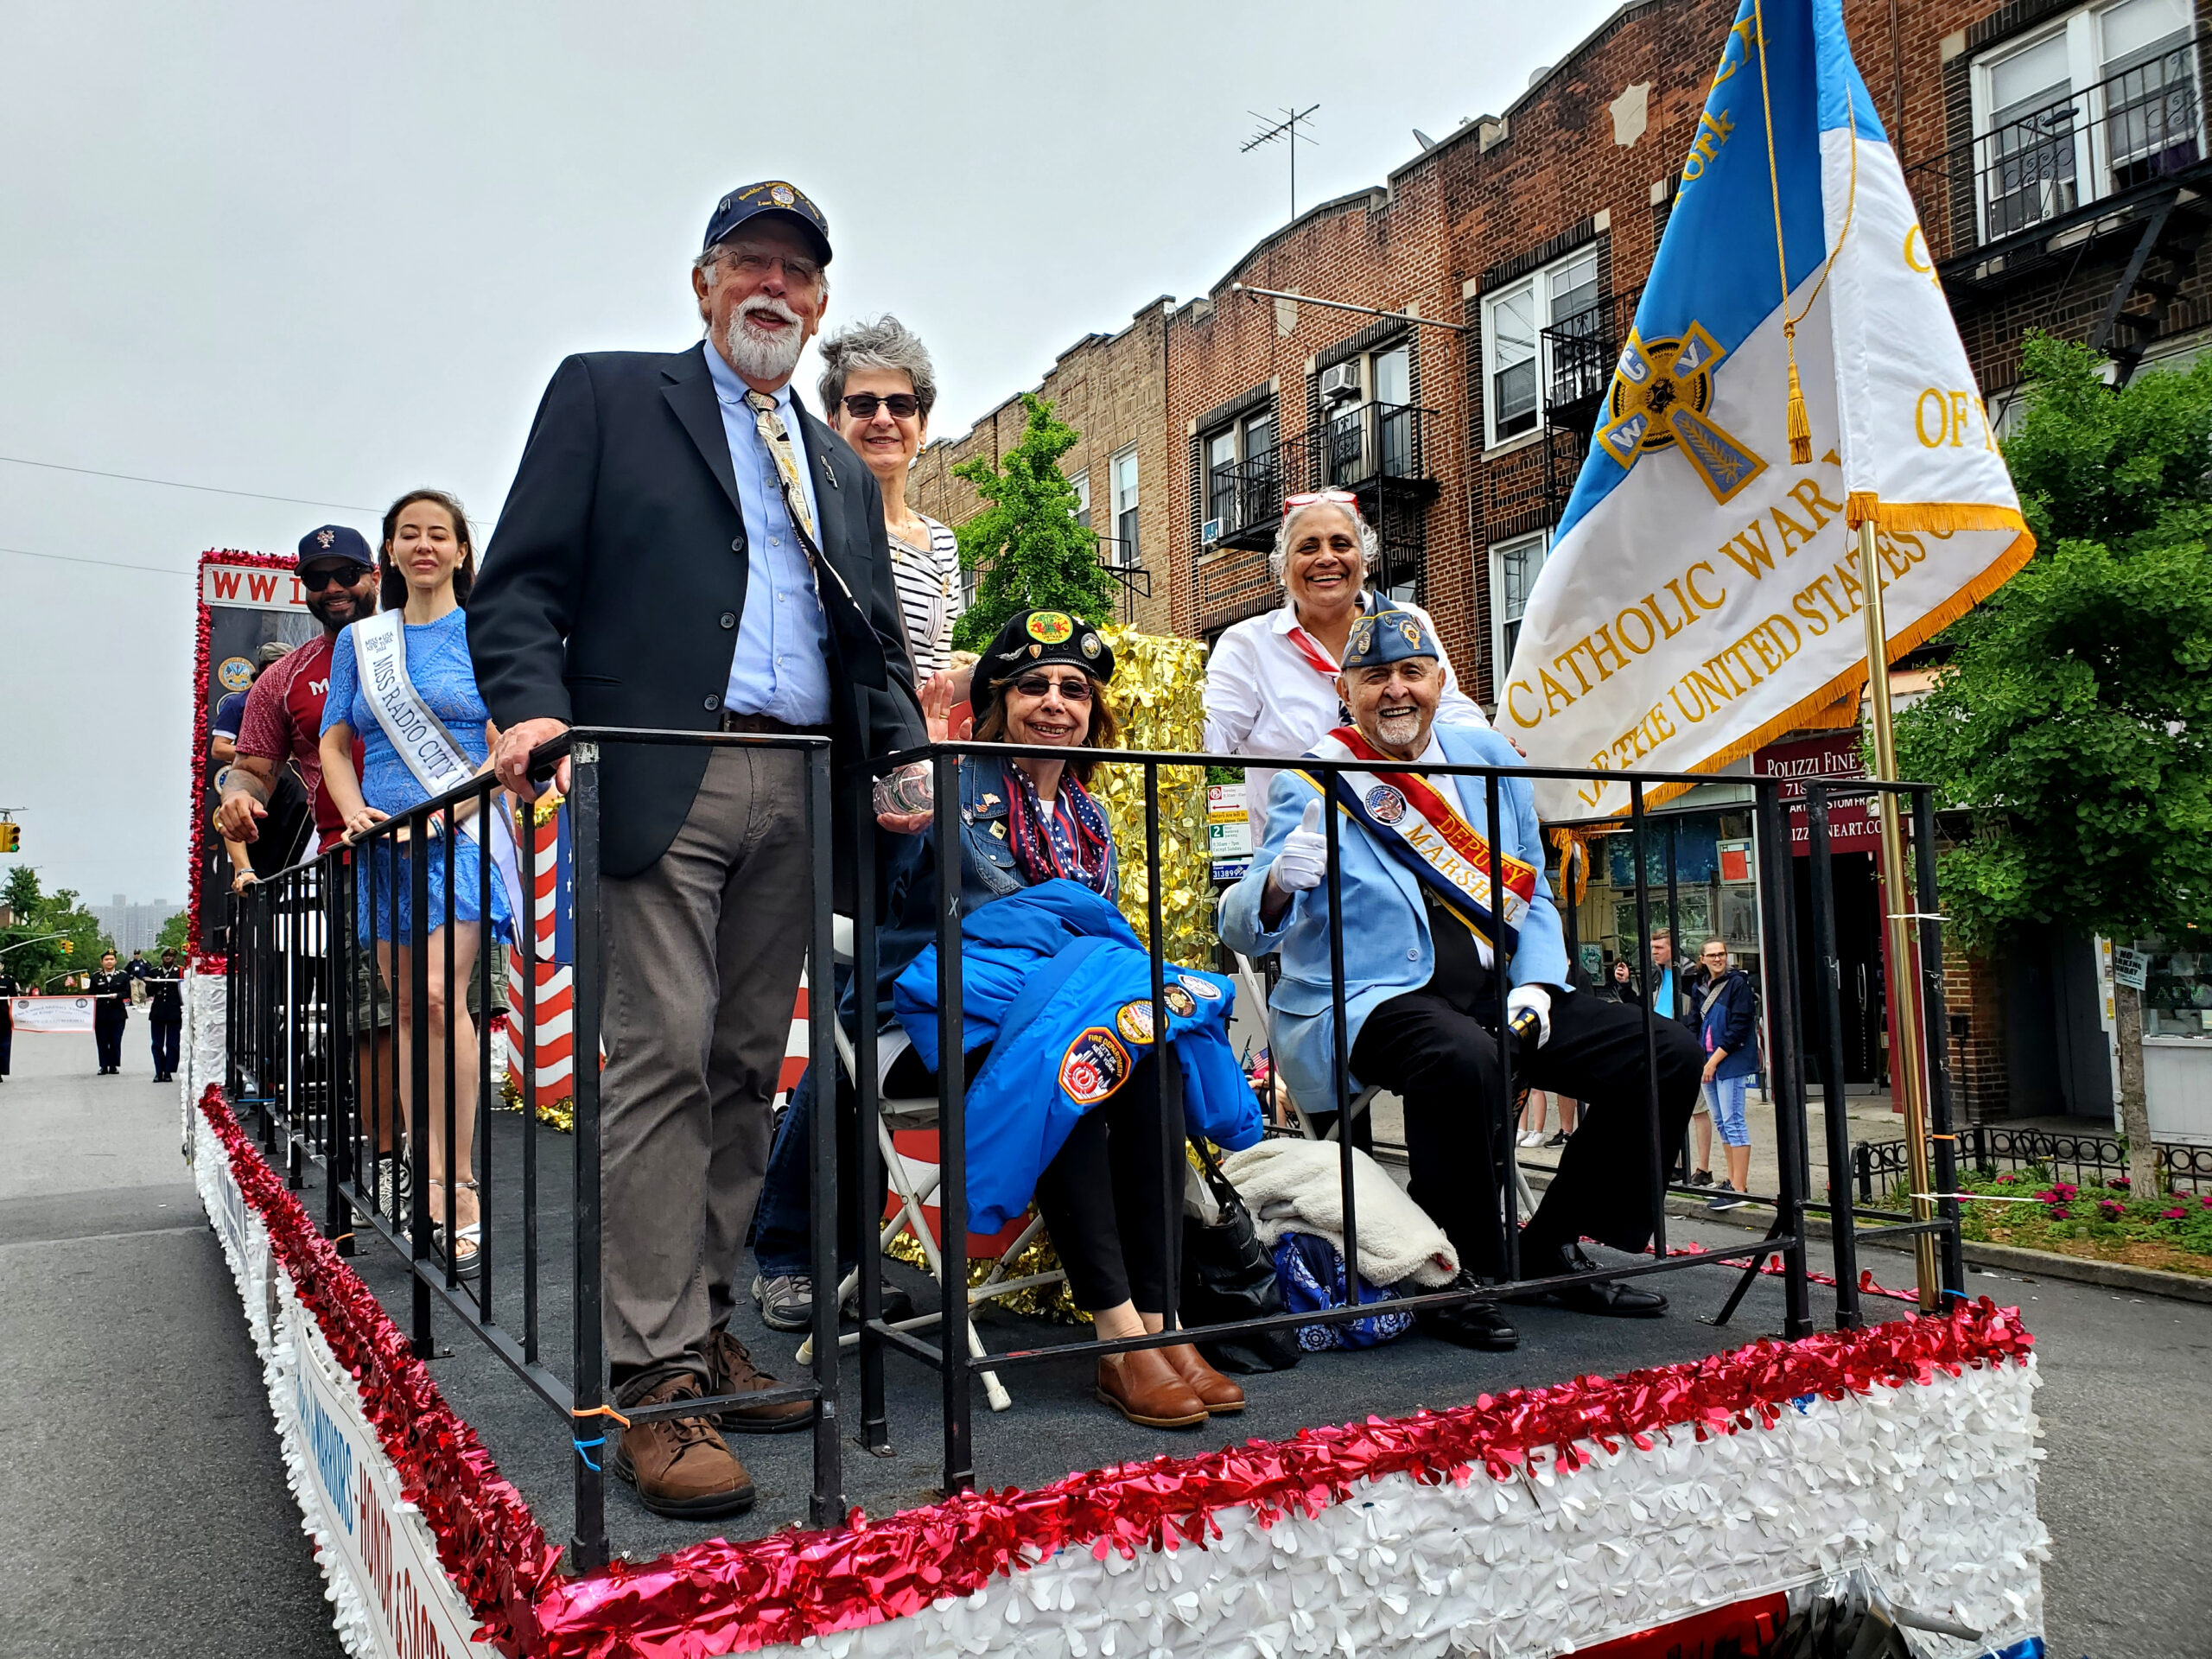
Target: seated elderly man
1421, 938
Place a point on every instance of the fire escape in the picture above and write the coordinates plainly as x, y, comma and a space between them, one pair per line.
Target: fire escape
2111, 178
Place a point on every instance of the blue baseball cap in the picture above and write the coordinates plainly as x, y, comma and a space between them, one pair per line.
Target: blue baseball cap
334, 542
1387, 634
769, 196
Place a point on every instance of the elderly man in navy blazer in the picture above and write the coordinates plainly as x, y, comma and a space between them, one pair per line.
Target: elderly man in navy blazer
685, 546
1423, 933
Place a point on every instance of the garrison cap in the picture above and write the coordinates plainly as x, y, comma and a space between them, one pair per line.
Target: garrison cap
1387, 634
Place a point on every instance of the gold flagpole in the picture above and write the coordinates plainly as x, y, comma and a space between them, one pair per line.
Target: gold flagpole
1898, 913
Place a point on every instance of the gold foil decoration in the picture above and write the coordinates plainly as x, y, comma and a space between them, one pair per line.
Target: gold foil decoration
1038, 1301
559, 1114
1158, 686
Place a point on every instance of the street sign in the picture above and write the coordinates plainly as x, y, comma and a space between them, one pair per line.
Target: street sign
2130, 968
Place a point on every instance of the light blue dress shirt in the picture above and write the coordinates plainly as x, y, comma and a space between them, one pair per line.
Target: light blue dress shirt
781, 668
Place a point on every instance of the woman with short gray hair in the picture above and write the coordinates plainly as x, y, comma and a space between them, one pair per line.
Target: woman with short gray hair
1271, 682
878, 387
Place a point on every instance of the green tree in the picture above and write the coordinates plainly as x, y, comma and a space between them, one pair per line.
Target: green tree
1025, 542
33, 959
2073, 721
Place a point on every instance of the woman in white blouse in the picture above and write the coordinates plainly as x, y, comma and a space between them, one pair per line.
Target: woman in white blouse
1271, 682
878, 387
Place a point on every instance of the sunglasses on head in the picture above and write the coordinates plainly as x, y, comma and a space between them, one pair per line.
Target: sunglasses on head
1041, 685
1314, 497
346, 575
903, 405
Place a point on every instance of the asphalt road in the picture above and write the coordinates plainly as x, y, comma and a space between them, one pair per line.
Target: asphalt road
144, 1509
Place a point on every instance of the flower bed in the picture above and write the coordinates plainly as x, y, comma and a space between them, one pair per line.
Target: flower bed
2172, 1231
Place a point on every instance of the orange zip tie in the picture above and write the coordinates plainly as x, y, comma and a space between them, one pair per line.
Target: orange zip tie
603, 1411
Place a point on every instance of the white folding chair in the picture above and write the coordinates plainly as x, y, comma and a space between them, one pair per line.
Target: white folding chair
916, 1185
1248, 980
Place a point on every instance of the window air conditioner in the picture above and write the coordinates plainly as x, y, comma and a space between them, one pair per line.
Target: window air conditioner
1341, 384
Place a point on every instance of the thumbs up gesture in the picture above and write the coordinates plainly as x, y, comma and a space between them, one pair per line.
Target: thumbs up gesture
1305, 856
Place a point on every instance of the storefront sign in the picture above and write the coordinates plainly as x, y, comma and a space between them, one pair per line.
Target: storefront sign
1854, 825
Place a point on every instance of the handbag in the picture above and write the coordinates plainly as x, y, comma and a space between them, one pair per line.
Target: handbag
1228, 1274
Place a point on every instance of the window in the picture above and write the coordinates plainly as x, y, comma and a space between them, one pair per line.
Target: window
1221, 477
1081, 485
2102, 102
1514, 566
1565, 299
1124, 552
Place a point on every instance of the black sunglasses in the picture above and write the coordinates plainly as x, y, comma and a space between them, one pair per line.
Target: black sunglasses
1041, 685
346, 575
903, 405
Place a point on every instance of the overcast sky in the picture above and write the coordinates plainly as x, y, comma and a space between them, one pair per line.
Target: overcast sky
333, 251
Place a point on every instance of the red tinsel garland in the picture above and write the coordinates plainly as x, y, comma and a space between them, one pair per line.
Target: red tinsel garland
197, 786
488, 1542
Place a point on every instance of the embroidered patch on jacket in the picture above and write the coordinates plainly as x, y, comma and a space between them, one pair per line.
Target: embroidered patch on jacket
1198, 986
1095, 1066
1134, 1021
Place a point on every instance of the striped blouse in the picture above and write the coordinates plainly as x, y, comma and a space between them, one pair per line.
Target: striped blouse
930, 594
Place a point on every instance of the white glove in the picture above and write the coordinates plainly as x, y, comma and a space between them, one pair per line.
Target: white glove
1536, 997
1305, 856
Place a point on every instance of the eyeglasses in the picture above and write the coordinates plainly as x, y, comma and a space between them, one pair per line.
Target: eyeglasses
1316, 498
1043, 685
800, 273
346, 575
862, 405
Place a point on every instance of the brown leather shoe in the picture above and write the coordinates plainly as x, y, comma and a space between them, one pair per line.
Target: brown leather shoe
730, 1369
1221, 1395
1144, 1388
679, 1464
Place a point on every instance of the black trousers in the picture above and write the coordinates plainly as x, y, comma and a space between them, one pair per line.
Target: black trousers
166, 1035
7, 1047
1444, 1062
107, 1031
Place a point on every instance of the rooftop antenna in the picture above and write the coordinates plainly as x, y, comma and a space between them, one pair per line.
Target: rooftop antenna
1285, 129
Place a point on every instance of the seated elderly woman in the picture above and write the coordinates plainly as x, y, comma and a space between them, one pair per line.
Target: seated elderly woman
1430, 950
1063, 1095
1271, 682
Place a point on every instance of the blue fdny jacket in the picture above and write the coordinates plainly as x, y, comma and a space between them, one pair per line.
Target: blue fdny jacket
1055, 981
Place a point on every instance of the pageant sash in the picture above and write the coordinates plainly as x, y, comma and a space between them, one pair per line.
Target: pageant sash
421, 739
1413, 822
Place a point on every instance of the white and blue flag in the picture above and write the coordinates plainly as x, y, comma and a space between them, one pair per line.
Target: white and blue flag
1702, 595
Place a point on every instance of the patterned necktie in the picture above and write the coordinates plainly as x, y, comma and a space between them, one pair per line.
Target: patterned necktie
778, 441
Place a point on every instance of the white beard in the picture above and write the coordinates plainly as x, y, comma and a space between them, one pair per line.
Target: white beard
1399, 731
757, 357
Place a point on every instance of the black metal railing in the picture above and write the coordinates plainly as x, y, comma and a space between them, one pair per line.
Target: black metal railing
2034, 169
1578, 354
303, 1057
1358, 446
1991, 1149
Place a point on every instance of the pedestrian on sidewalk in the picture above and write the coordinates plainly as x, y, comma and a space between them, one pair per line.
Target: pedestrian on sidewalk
111, 992
1729, 1032
9, 992
165, 1015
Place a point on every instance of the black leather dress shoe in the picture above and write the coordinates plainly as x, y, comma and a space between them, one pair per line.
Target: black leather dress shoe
1614, 1298
1471, 1324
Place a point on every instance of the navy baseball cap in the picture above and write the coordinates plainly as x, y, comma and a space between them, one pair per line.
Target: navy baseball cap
334, 541
770, 196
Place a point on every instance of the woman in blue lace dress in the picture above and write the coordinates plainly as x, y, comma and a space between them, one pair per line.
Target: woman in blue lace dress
428, 565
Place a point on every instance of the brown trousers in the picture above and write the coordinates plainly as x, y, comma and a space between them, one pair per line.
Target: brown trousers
704, 953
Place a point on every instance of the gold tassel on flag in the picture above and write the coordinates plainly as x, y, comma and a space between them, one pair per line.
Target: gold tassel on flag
1801, 427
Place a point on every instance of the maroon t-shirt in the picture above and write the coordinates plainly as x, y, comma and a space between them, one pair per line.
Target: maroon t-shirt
283, 721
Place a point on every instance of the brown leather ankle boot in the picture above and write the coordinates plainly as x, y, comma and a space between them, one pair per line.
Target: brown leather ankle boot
1221, 1397
679, 1464
1145, 1389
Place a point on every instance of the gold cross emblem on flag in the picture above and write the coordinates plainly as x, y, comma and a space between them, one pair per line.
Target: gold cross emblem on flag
1660, 391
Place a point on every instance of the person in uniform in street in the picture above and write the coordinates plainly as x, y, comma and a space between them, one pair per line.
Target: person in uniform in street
9, 992
110, 991
165, 992
138, 970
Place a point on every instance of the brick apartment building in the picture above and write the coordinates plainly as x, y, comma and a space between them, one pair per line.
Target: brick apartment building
1112, 390
2056, 148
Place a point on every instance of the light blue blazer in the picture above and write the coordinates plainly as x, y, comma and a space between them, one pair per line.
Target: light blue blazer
1388, 951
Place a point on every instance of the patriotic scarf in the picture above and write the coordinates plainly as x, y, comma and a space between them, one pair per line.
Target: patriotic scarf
1041, 843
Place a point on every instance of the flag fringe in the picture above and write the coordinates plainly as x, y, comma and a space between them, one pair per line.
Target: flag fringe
1800, 714
1939, 517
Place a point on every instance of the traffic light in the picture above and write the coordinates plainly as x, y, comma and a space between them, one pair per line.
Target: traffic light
68, 947
11, 837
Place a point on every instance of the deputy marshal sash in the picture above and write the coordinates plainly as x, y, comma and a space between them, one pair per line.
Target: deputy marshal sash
1415, 824
421, 739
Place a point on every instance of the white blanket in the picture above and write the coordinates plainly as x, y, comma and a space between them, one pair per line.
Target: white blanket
1296, 1186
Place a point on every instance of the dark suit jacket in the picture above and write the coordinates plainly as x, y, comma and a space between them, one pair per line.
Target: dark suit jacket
612, 589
